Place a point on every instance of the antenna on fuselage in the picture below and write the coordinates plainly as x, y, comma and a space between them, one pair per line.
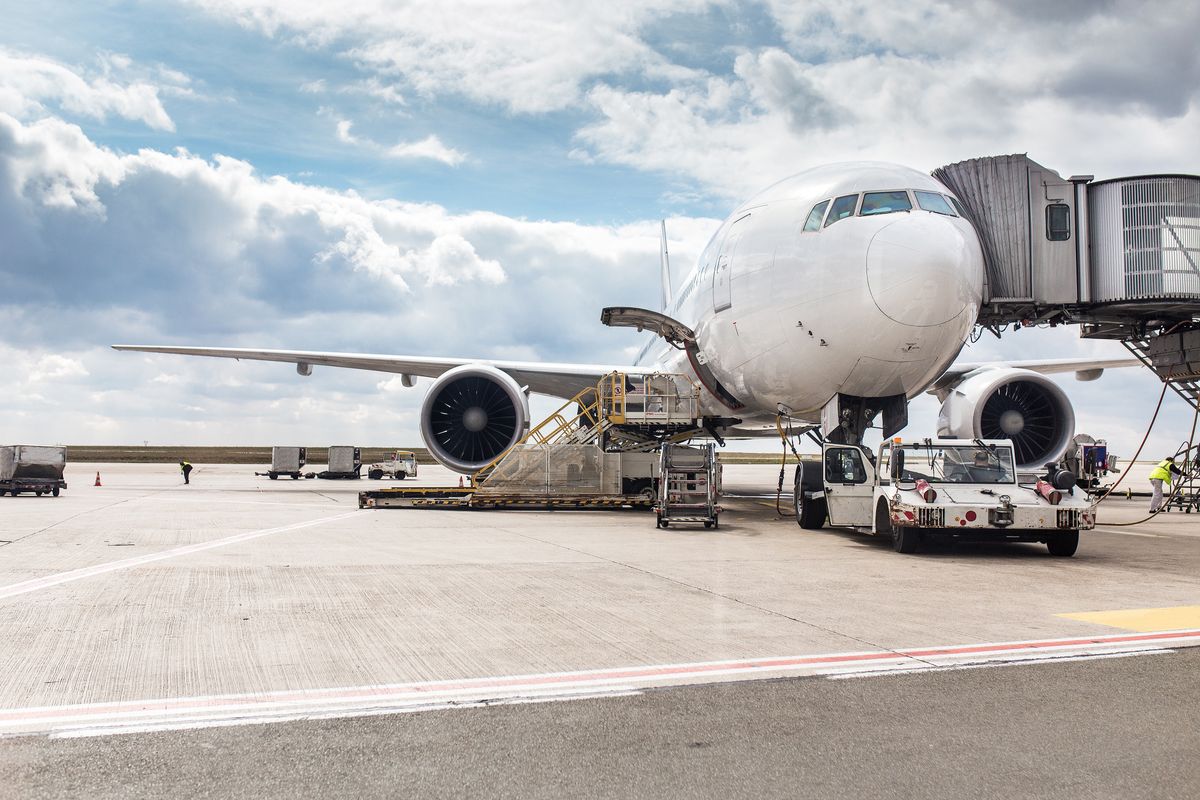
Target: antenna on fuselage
666, 270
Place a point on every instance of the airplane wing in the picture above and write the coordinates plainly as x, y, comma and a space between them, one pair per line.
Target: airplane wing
557, 380
1044, 366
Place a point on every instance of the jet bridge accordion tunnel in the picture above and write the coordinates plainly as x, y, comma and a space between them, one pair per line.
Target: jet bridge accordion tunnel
1119, 257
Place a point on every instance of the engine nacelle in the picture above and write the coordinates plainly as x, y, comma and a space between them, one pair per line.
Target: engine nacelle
1016, 404
472, 414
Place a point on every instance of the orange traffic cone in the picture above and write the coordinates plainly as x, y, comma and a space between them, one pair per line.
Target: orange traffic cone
97, 478
460, 483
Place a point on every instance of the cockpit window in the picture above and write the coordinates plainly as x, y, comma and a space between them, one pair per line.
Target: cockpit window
842, 207
884, 203
932, 201
813, 223
962, 212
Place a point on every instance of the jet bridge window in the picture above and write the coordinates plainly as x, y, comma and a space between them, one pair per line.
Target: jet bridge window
1058, 222
842, 207
932, 201
884, 203
813, 223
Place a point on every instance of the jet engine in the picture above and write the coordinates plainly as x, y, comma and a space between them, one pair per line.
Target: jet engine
472, 414
1016, 404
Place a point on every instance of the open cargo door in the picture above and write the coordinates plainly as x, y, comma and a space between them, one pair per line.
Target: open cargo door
679, 336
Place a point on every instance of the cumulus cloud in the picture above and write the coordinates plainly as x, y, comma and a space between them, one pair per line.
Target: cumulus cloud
51, 367
923, 83
170, 247
529, 56
430, 148
29, 82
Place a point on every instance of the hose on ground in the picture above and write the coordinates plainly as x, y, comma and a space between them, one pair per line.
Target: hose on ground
1176, 486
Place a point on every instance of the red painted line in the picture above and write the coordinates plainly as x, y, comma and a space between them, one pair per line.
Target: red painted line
555, 679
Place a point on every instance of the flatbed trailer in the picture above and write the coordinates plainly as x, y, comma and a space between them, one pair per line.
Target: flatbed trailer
470, 497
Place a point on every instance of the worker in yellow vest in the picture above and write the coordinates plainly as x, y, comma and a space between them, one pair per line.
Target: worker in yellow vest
1158, 476
186, 468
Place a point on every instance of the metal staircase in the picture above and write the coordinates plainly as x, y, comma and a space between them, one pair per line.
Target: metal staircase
623, 413
1174, 357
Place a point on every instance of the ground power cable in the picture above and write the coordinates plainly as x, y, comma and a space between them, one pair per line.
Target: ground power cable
1176, 485
1150, 427
787, 442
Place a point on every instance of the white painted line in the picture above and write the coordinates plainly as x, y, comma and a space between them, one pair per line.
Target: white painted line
347, 701
841, 675
48, 581
185, 723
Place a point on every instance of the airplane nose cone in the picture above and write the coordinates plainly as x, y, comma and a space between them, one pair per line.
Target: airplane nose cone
923, 270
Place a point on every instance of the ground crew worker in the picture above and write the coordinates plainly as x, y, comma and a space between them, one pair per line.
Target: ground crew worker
1160, 475
186, 468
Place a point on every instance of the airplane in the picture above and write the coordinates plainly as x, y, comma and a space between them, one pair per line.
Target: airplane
828, 299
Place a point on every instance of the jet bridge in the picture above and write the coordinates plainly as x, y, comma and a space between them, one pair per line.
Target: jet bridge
1120, 257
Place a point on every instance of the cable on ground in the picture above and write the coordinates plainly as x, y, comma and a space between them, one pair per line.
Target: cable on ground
1176, 486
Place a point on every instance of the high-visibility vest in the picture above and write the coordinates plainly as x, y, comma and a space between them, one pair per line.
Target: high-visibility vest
1162, 472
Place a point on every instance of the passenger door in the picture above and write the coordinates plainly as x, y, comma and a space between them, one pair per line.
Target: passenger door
723, 273
849, 485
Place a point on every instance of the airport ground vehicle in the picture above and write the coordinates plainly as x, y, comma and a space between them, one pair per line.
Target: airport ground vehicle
286, 461
402, 464
32, 468
956, 488
343, 463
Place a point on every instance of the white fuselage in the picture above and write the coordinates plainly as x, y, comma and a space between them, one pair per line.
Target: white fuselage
870, 304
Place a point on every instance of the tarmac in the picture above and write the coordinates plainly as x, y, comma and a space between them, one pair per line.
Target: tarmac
151, 609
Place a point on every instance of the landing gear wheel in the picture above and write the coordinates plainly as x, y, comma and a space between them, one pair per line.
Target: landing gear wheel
810, 512
1064, 544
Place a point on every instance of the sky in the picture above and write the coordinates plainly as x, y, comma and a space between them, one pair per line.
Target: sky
479, 179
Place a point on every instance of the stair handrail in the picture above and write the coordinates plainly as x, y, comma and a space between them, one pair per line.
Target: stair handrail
552, 428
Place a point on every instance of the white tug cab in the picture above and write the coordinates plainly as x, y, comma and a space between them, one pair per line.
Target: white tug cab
966, 489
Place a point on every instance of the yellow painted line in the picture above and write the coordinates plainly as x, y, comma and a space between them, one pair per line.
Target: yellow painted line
1143, 620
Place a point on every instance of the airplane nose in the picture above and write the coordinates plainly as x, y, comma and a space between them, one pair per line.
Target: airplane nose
923, 269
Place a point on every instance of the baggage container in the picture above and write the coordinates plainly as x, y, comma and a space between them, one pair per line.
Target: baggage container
32, 468
287, 461
344, 462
